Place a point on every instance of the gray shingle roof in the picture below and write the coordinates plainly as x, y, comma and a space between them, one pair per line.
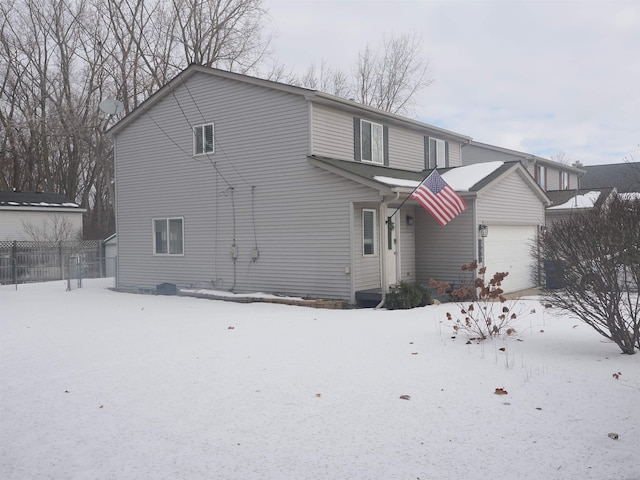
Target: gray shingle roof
18, 198
625, 177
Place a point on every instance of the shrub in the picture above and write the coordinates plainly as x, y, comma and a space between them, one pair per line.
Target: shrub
407, 295
599, 251
483, 310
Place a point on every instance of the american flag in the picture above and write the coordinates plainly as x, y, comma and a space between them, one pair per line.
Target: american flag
439, 199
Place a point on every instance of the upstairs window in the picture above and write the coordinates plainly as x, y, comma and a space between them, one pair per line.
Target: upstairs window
564, 181
371, 142
541, 176
372, 138
203, 139
368, 232
168, 236
436, 153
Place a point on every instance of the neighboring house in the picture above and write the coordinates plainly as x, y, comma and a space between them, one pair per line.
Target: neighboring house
550, 175
231, 182
37, 216
624, 177
565, 203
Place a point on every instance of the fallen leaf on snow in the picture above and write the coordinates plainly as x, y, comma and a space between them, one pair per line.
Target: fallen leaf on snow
501, 391
405, 397
318, 395
414, 353
231, 328
613, 436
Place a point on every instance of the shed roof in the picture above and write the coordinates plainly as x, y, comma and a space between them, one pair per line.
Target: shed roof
30, 200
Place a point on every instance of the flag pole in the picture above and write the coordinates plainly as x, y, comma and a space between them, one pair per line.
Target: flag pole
409, 196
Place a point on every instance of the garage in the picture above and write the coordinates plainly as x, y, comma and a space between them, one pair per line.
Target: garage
508, 249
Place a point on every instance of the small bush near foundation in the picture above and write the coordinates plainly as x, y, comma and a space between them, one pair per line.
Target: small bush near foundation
407, 295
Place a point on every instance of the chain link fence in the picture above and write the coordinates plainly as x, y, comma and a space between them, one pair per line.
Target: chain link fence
28, 262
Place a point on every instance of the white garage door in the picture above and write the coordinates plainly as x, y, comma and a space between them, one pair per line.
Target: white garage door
508, 249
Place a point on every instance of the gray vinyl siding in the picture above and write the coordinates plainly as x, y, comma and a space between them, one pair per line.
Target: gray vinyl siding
476, 154
295, 214
553, 179
455, 154
440, 251
510, 202
407, 250
406, 149
332, 133
333, 137
366, 271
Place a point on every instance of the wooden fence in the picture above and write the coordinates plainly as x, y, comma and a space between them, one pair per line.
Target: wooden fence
25, 262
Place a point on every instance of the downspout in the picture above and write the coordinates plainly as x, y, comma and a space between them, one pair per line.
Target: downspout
383, 248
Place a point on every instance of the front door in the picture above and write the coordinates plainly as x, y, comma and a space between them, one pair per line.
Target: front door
391, 251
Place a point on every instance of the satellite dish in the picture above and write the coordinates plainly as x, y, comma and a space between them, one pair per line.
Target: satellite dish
111, 107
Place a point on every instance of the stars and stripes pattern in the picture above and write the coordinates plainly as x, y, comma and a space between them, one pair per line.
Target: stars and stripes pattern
439, 199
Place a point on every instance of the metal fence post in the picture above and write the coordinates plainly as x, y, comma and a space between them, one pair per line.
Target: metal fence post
14, 256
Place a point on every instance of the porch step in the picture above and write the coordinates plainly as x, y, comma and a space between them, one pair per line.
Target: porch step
369, 298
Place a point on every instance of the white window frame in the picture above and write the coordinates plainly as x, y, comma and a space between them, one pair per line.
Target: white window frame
168, 241
375, 151
199, 133
372, 241
541, 176
564, 180
437, 153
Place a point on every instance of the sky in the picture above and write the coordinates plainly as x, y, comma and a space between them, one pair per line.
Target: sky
96, 384
543, 77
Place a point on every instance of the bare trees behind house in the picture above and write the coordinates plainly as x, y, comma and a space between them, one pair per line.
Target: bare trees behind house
60, 58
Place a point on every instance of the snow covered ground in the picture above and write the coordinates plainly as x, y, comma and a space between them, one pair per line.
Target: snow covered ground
96, 384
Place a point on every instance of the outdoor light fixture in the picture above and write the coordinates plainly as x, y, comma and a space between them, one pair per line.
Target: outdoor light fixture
409, 220
484, 230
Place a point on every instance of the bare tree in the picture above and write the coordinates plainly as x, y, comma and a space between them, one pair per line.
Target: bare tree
225, 34
53, 229
389, 77
561, 157
324, 78
599, 256
60, 58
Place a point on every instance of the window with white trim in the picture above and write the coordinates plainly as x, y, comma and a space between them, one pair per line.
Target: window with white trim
168, 236
437, 153
564, 180
372, 142
203, 139
541, 176
368, 232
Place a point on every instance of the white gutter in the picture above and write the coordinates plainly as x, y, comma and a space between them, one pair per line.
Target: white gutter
384, 248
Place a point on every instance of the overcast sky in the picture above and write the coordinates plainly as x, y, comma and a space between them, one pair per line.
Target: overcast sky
537, 76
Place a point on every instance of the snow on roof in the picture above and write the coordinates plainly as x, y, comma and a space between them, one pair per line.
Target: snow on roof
630, 195
587, 200
396, 182
460, 179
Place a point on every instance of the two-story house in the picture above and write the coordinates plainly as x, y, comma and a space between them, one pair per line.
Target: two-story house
231, 182
549, 174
